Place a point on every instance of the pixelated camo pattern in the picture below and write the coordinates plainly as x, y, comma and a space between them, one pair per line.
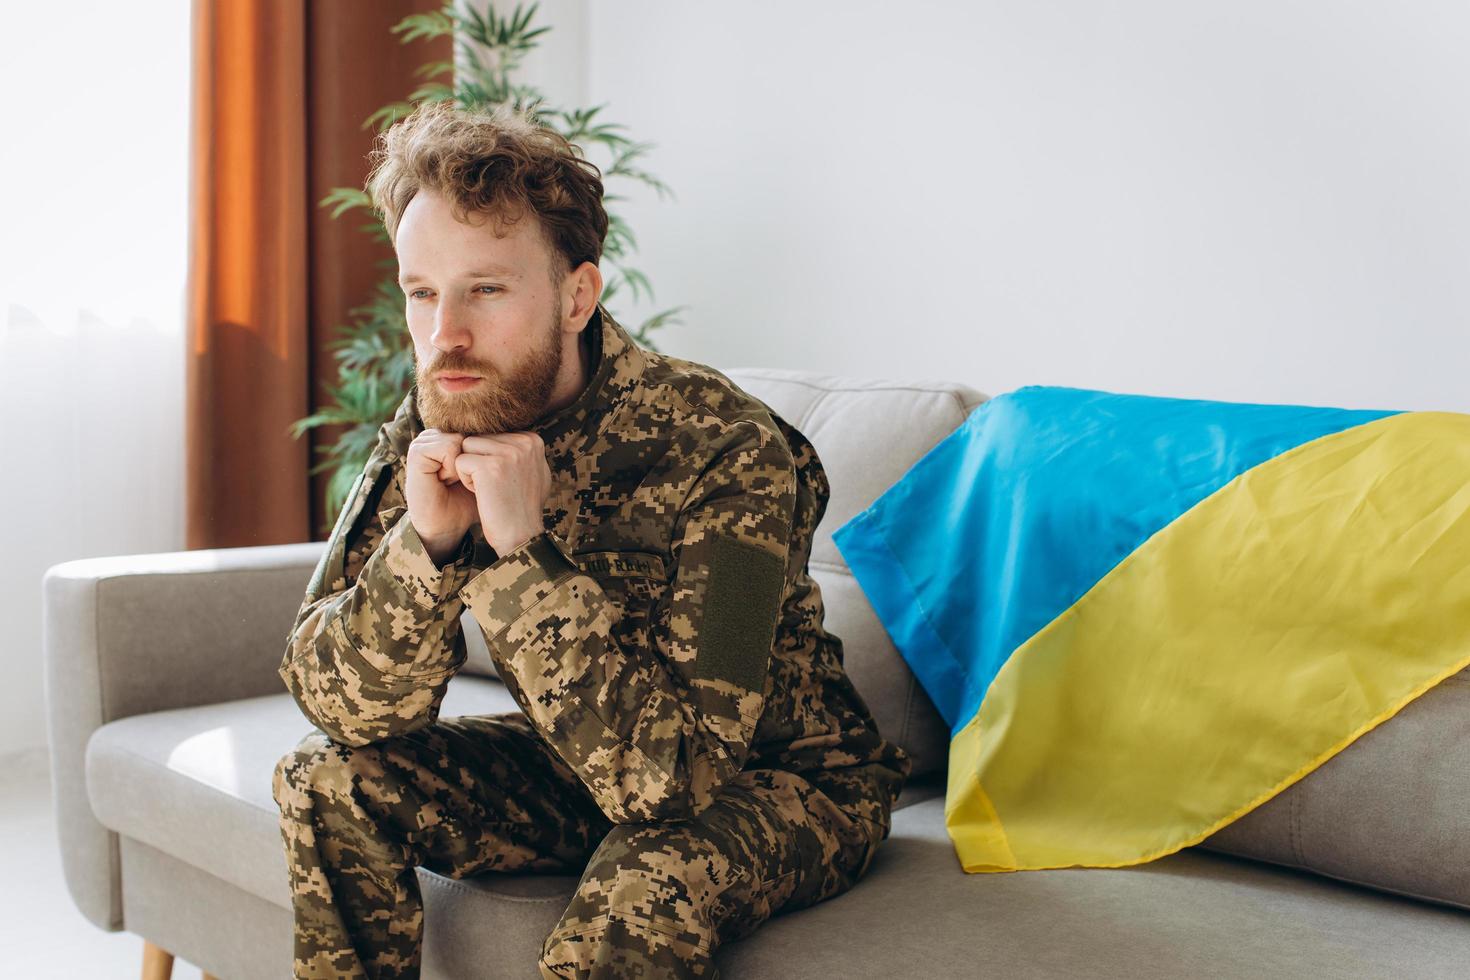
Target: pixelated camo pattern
662, 635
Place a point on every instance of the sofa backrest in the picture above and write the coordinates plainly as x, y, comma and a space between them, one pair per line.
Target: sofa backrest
867, 433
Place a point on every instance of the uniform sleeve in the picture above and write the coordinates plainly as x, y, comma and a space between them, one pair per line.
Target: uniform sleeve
655, 730
377, 636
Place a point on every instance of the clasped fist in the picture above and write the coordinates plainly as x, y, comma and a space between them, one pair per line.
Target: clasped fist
453, 480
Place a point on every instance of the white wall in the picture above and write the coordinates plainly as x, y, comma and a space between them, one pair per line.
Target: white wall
557, 65
94, 163
1245, 200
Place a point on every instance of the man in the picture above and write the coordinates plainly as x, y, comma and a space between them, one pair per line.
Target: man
631, 532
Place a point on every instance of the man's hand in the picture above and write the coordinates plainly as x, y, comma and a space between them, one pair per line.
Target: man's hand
511, 480
440, 507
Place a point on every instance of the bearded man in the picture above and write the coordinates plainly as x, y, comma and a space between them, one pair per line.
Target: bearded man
630, 531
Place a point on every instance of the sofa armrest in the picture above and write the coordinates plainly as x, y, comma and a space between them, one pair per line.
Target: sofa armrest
131, 634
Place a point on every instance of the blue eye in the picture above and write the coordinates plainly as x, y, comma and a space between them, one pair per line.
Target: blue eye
415, 293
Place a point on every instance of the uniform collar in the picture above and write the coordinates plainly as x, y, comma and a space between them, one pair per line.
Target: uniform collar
617, 367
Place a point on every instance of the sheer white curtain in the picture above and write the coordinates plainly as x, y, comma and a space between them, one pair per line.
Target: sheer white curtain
93, 245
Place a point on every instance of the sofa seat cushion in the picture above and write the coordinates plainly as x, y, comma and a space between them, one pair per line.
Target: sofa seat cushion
195, 783
1190, 914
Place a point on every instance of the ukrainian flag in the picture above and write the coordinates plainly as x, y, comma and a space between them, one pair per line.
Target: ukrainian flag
1142, 617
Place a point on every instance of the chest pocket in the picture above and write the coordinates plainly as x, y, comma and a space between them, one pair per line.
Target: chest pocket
636, 581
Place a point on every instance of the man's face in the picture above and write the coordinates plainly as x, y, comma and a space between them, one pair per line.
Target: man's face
482, 306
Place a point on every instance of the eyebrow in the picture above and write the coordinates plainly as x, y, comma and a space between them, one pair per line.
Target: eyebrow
490, 271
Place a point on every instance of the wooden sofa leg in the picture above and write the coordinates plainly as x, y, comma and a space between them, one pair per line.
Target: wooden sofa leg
158, 963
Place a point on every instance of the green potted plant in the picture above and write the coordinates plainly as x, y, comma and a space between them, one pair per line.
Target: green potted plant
374, 352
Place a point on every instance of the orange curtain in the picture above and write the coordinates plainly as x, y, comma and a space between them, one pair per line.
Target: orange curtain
280, 92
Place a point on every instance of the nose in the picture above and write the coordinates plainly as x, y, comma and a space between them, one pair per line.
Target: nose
451, 331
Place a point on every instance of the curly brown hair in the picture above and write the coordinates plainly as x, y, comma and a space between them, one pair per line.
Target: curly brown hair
497, 161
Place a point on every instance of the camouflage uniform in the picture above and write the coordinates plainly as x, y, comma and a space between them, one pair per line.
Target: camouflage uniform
689, 740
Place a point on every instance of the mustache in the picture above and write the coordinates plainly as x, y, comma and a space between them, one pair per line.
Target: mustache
456, 365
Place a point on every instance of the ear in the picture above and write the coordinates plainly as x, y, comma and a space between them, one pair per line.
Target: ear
585, 288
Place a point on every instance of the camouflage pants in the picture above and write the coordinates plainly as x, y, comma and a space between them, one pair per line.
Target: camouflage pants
485, 793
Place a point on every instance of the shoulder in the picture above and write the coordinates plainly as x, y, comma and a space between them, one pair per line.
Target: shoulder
727, 419
703, 404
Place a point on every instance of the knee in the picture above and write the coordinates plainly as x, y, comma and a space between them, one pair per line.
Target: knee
652, 867
648, 900
303, 769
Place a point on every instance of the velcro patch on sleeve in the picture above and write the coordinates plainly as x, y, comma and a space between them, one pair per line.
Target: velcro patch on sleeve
741, 609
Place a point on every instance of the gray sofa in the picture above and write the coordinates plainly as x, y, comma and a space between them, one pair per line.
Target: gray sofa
167, 716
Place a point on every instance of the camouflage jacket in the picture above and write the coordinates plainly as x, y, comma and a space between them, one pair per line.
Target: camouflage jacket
661, 634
